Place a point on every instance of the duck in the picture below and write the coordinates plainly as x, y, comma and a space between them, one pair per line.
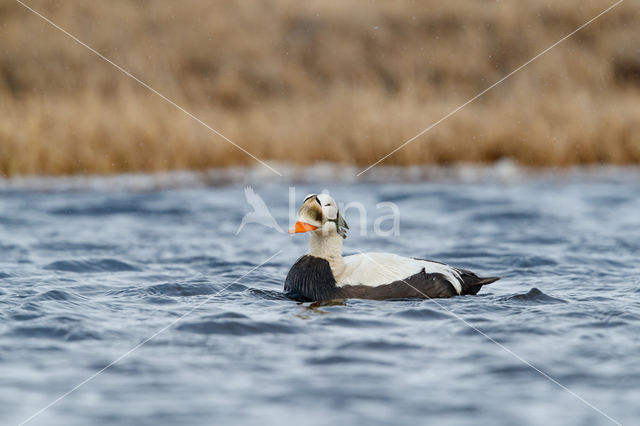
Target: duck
324, 274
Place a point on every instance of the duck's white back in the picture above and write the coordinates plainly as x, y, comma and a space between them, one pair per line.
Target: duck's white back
374, 269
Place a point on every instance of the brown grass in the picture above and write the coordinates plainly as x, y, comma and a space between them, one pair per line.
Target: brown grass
330, 80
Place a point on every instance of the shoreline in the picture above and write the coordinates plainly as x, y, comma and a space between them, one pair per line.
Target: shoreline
504, 171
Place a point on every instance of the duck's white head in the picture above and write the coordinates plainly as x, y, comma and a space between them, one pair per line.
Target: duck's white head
320, 215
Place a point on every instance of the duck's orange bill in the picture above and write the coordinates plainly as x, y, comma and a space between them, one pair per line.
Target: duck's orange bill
301, 227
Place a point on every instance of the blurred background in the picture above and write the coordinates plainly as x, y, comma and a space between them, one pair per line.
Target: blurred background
301, 82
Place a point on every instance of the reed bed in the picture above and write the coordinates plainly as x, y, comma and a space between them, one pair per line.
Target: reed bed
301, 82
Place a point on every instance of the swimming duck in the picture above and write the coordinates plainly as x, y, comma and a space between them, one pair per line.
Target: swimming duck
324, 274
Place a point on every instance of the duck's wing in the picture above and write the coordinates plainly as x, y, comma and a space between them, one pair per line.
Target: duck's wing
378, 269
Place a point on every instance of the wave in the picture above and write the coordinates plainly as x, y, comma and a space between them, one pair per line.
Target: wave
230, 323
91, 265
535, 296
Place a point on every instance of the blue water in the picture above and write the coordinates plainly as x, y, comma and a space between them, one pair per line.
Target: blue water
88, 274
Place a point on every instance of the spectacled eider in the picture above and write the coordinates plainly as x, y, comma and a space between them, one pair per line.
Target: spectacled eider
324, 274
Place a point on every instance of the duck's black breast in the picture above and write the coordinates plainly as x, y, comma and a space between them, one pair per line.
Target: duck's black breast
311, 279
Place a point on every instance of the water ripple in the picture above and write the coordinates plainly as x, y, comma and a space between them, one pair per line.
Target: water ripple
53, 332
91, 265
87, 274
236, 328
535, 296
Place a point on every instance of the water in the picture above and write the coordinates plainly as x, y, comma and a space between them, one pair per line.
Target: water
87, 274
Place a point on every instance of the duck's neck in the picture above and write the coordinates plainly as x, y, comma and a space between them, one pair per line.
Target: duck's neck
328, 247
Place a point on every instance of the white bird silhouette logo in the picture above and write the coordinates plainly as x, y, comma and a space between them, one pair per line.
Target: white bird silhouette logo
260, 213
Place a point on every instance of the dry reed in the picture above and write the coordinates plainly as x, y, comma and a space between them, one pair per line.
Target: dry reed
341, 81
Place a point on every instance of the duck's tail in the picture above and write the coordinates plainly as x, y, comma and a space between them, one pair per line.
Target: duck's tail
471, 283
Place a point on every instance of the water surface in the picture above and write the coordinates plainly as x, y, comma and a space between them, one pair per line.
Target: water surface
87, 274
